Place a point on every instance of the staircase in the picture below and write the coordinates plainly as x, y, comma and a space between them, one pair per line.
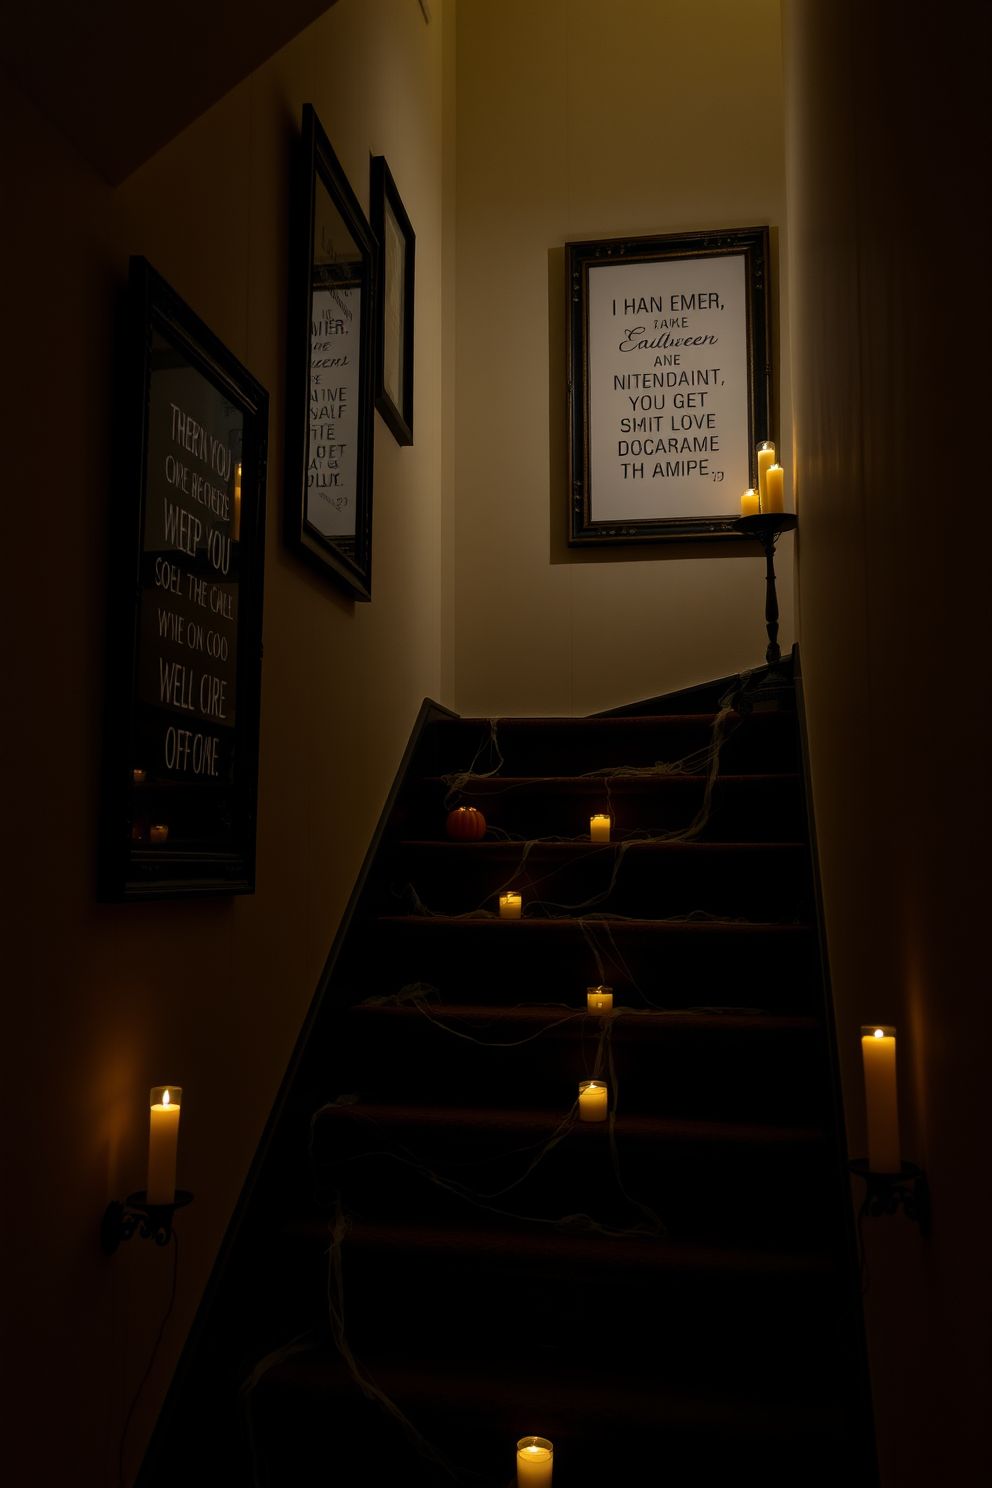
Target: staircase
670, 1296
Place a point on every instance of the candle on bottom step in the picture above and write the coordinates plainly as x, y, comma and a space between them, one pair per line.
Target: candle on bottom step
599, 999
510, 906
878, 1051
593, 1100
774, 498
163, 1139
599, 828
159, 832
535, 1459
750, 503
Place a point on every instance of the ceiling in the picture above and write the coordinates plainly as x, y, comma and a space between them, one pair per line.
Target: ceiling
121, 78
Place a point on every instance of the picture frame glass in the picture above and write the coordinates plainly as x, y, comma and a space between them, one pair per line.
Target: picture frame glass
336, 311
394, 306
669, 383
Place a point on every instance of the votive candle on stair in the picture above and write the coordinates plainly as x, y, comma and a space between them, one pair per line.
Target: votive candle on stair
510, 906
774, 497
878, 1050
163, 1139
535, 1459
599, 828
593, 1100
766, 457
750, 503
599, 999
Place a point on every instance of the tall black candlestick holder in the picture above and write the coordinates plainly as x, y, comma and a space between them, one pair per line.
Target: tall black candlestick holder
767, 527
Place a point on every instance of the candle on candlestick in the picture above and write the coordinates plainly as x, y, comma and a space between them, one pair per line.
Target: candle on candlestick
599, 827
750, 503
510, 906
163, 1137
593, 1100
599, 999
766, 457
535, 1459
878, 1051
774, 497
236, 505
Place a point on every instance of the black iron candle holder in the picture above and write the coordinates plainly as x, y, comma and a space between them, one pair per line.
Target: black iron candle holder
886, 1193
767, 527
136, 1215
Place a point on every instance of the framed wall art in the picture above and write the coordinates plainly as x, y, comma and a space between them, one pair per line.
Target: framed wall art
331, 368
181, 758
394, 332
669, 383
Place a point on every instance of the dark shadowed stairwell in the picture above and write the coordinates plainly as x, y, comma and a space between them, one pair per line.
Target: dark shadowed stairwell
671, 1297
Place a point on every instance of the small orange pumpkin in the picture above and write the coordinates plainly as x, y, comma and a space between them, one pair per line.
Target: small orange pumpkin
465, 824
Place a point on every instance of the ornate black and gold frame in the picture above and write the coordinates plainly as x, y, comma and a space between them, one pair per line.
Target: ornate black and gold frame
394, 329
184, 665
669, 383
330, 369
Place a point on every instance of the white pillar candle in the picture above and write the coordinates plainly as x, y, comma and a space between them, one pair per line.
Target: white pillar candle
163, 1137
599, 999
750, 503
236, 505
599, 828
593, 1100
878, 1050
774, 498
766, 457
535, 1459
509, 906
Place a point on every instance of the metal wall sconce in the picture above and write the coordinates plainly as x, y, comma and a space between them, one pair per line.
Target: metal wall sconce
887, 1193
137, 1216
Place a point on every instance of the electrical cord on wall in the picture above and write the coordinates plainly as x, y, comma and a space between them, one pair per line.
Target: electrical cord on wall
151, 1361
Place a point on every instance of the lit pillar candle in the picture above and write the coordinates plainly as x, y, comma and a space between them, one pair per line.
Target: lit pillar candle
750, 503
878, 1050
236, 505
766, 457
509, 906
163, 1137
599, 828
593, 1100
773, 499
159, 832
599, 999
535, 1459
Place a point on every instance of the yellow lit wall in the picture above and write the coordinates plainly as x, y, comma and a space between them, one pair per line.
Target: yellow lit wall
578, 120
103, 1001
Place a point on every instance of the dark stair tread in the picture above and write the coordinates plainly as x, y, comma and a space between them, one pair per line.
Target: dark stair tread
567, 925
541, 1123
558, 1020
552, 1249
592, 784
540, 849
648, 723
569, 1402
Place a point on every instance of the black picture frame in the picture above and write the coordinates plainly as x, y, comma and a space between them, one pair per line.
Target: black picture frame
397, 280
185, 608
631, 476
333, 290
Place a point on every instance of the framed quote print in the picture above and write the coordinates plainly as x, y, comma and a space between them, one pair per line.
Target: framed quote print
181, 757
394, 332
331, 370
669, 383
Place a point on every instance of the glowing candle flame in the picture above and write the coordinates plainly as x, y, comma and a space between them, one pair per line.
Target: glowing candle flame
879, 1033
165, 1099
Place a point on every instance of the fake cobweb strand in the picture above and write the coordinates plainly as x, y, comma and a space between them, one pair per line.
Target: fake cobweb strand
708, 757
